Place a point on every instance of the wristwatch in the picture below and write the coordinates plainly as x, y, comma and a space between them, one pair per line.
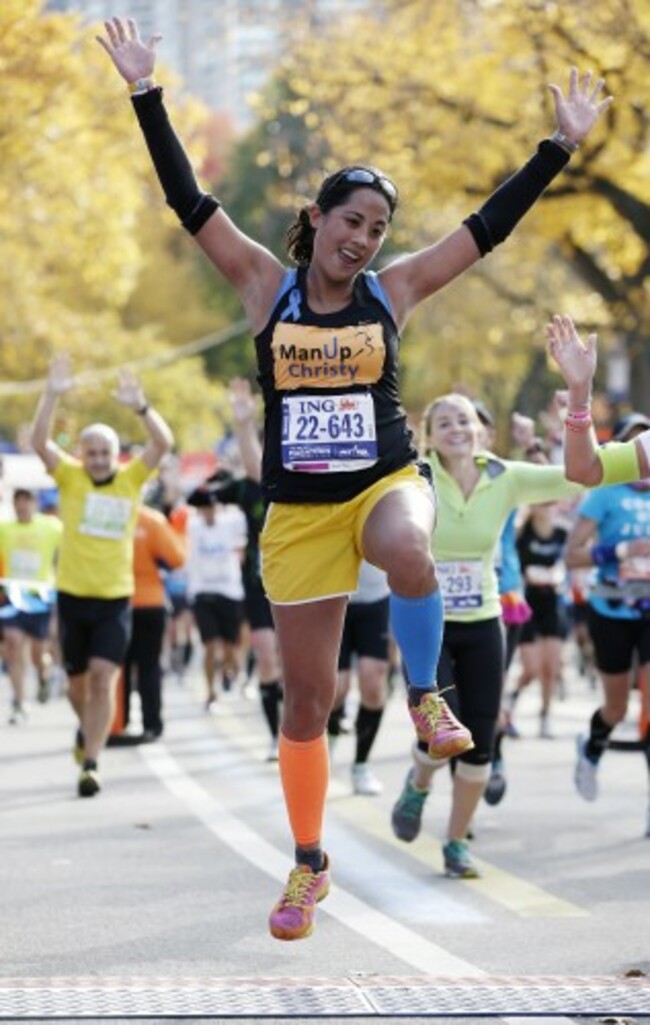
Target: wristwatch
564, 141
141, 85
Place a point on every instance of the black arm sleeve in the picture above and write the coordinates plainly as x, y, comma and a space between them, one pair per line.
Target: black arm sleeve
192, 206
504, 209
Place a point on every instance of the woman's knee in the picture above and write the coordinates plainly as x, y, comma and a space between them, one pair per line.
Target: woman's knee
373, 684
409, 564
307, 708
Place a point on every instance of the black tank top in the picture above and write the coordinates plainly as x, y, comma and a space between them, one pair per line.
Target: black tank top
535, 550
329, 382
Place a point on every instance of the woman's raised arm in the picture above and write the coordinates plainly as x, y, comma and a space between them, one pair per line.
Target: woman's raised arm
414, 278
252, 270
585, 462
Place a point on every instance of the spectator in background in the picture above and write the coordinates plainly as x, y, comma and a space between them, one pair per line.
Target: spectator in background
157, 548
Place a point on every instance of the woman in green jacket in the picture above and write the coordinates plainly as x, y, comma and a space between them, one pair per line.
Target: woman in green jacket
476, 492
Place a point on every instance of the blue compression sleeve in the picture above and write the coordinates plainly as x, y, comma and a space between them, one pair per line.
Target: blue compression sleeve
417, 625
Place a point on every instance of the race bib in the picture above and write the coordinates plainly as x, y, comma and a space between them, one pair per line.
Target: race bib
328, 434
461, 584
106, 516
24, 565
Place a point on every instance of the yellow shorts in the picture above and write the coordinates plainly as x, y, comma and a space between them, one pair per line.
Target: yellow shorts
314, 551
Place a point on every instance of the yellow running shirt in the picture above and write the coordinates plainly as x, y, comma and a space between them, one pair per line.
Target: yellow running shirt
96, 557
28, 550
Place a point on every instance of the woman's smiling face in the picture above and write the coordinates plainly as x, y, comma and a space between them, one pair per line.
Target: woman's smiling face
454, 427
351, 233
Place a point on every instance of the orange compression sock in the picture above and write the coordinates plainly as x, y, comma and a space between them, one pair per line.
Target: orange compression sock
304, 771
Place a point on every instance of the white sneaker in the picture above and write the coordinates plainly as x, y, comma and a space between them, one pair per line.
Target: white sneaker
18, 714
585, 776
364, 781
545, 731
58, 679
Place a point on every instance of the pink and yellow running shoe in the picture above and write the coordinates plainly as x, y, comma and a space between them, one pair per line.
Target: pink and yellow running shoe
439, 728
292, 917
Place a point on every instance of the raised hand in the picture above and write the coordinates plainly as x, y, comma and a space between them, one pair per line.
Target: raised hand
129, 390
242, 401
576, 359
132, 58
59, 377
577, 112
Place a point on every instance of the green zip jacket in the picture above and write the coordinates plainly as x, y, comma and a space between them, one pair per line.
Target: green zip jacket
467, 532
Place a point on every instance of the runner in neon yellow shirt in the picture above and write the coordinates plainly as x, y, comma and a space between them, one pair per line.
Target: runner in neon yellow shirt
99, 500
28, 548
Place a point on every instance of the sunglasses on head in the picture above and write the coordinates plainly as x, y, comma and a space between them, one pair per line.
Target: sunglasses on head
364, 176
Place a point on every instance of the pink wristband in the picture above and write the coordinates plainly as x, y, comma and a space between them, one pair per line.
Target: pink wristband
579, 428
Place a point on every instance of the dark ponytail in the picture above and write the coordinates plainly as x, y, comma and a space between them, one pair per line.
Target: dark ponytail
300, 239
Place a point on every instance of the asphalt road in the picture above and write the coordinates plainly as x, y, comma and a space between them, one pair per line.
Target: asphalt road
151, 900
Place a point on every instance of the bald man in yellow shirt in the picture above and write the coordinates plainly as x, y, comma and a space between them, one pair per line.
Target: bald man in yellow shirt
98, 507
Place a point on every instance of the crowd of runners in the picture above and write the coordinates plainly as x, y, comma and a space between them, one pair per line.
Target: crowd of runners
342, 543
536, 548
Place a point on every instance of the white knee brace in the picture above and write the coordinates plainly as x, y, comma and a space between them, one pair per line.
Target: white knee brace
426, 761
473, 773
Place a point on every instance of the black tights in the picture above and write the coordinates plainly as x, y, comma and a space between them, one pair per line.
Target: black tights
471, 663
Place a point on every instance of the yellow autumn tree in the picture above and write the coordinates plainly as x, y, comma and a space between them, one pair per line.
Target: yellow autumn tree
450, 99
86, 236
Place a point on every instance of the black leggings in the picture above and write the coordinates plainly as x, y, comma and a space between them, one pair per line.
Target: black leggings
472, 664
143, 657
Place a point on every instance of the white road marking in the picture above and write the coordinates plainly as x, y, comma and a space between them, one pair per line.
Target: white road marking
347, 909
350, 911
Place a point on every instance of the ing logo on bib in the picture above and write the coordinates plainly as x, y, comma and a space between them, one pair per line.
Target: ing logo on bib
320, 357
